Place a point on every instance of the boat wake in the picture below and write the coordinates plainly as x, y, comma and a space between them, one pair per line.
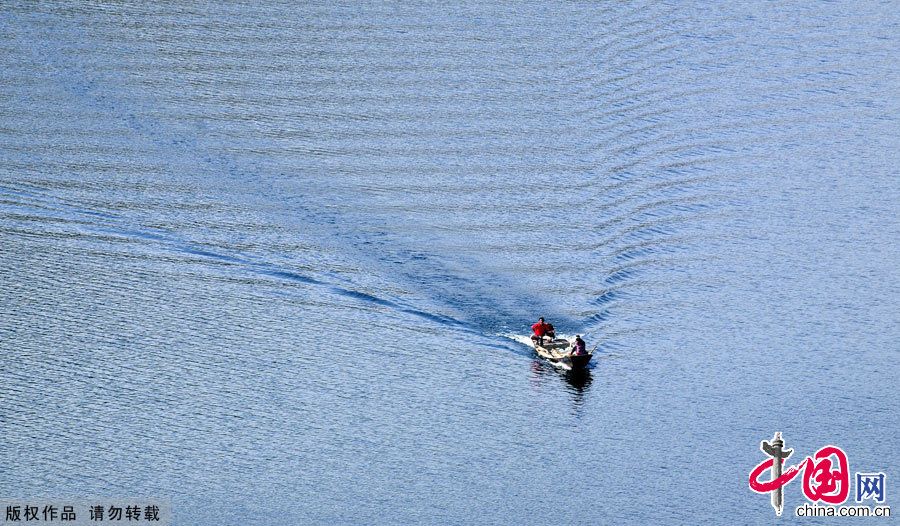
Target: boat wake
525, 339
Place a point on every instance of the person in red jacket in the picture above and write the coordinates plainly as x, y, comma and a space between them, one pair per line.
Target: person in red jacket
542, 329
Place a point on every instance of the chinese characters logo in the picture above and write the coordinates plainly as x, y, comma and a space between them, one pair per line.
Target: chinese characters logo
870, 486
826, 476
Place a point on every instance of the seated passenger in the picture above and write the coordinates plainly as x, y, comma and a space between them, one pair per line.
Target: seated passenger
580, 349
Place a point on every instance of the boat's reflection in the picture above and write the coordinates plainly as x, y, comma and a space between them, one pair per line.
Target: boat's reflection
577, 381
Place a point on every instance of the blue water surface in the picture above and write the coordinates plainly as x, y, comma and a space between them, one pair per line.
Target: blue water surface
276, 261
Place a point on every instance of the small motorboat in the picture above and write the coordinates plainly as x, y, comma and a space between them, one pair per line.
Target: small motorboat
558, 352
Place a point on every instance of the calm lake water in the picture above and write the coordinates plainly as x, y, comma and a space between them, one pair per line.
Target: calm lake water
276, 263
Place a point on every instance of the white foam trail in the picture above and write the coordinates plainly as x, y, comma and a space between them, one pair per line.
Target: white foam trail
525, 339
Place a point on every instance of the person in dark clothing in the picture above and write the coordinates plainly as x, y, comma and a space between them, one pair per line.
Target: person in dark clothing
580, 348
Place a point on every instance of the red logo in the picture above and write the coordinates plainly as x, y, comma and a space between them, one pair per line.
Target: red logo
826, 474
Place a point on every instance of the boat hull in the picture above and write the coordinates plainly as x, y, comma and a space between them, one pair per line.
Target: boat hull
557, 353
